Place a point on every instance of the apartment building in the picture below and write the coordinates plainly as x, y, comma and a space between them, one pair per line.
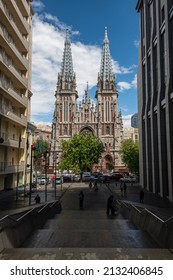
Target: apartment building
131, 133
155, 96
15, 89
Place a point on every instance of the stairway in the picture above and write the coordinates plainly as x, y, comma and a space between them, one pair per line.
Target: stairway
88, 234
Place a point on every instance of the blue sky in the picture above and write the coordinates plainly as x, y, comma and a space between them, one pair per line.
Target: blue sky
86, 21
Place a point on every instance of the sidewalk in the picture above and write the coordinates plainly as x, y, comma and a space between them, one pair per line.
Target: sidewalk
156, 204
9, 204
159, 206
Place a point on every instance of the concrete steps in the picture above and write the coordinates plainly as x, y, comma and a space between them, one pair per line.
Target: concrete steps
89, 229
86, 254
88, 234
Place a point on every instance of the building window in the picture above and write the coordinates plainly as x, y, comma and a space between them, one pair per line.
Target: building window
107, 130
107, 111
65, 111
65, 130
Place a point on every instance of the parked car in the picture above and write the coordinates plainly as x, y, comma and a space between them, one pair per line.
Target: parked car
66, 178
116, 176
76, 178
95, 175
128, 179
104, 179
59, 180
43, 180
86, 177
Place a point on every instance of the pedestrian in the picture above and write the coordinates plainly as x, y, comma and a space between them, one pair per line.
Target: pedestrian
121, 189
37, 199
81, 199
90, 185
109, 204
125, 189
95, 186
141, 196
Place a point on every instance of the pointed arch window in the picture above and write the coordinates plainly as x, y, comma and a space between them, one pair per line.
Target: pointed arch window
65, 130
107, 130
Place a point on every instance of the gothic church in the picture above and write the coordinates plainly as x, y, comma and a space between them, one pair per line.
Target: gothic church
101, 119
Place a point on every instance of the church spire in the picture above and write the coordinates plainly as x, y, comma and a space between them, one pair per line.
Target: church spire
87, 96
106, 72
67, 64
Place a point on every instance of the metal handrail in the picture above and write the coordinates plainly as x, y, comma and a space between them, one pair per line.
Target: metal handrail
145, 210
3, 219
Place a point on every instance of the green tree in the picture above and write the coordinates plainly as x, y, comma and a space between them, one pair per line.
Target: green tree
129, 152
40, 147
81, 152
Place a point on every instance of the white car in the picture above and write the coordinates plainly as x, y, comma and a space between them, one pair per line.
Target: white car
128, 179
59, 180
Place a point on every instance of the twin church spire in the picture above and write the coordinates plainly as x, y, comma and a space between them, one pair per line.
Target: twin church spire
99, 118
67, 63
106, 72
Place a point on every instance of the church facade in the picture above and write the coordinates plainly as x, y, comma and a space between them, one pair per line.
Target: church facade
102, 119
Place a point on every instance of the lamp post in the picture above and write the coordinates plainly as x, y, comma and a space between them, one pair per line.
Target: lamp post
46, 165
30, 185
55, 171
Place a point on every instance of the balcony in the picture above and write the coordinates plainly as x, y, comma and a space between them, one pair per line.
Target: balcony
12, 28
13, 7
18, 76
6, 67
12, 50
24, 7
12, 141
9, 167
14, 117
19, 97
22, 120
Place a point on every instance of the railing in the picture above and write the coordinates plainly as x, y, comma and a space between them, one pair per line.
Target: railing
12, 45
13, 24
9, 167
160, 230
23, 21
15, 229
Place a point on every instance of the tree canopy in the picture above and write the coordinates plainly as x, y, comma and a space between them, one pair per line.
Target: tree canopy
129, 152
80, 152
41, 146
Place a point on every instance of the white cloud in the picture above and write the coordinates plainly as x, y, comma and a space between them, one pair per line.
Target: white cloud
126, 86
136, 43
121, 69
48, 46
37, 5
134, 82
126, 120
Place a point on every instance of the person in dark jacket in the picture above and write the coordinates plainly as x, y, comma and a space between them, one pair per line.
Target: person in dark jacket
81, 199
37, 199
141, 196
109, 204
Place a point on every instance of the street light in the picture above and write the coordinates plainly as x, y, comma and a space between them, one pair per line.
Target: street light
46, 164
33, 148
